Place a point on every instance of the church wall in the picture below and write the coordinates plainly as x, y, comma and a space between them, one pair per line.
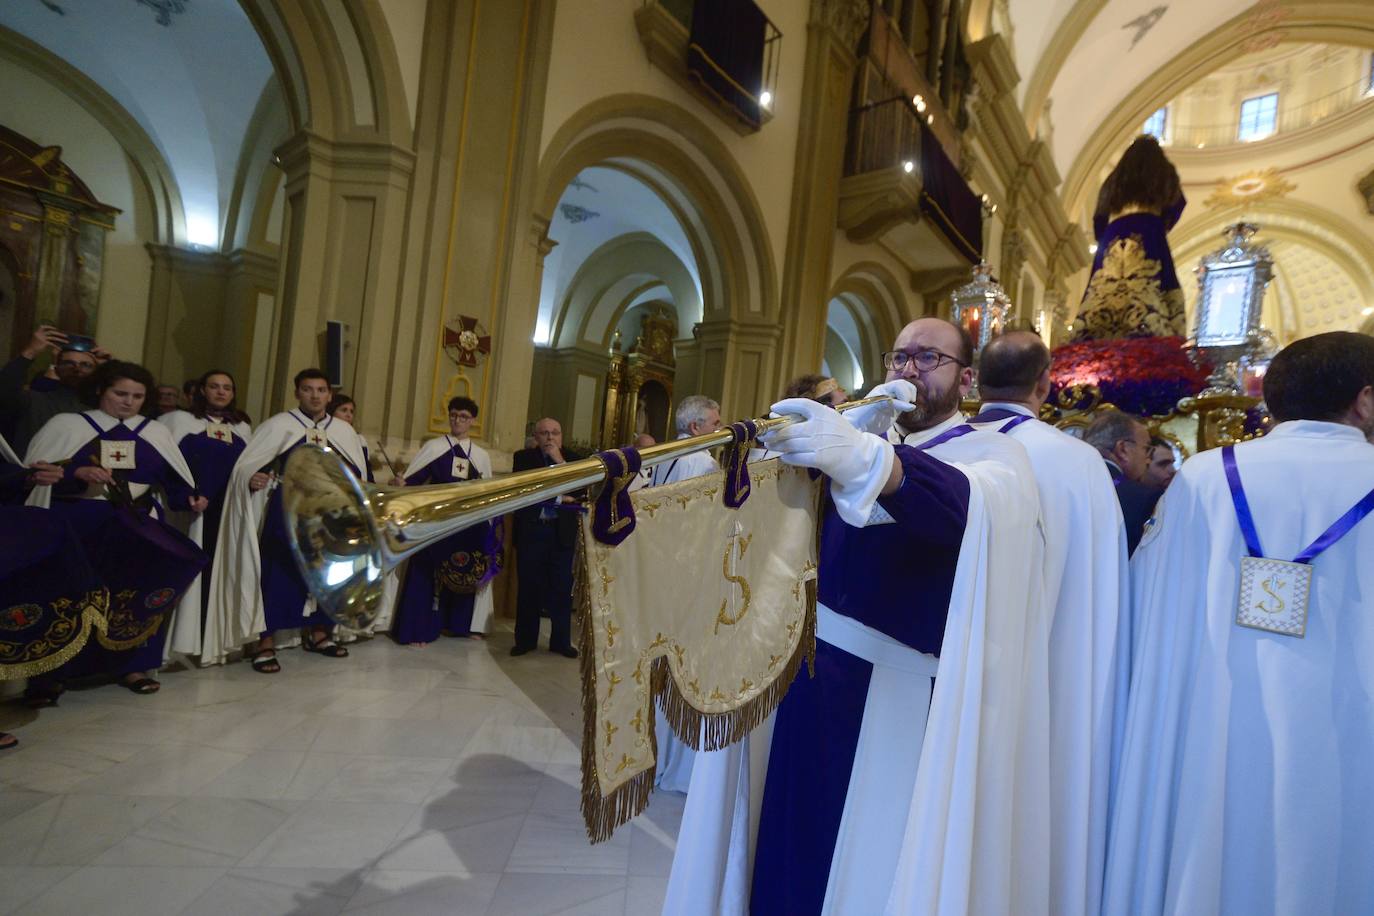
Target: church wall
42, 111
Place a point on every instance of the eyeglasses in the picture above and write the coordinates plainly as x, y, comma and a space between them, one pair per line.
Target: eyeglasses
461, 415
924, 360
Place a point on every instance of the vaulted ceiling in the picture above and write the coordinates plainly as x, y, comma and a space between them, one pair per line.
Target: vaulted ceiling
190, 73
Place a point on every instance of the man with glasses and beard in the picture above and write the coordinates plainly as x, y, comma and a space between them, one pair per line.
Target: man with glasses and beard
23, 411
931, 563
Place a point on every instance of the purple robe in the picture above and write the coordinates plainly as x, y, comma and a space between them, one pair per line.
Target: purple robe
897, 579
429, 604
211, 461
144, 563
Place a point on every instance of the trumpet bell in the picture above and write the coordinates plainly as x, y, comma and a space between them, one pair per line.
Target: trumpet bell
334, 535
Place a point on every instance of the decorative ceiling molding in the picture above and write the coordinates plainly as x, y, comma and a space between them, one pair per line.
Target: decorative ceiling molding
1249, 188
1334, 22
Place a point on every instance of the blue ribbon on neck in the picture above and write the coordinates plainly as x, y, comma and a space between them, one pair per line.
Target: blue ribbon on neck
1339, 529
987, 416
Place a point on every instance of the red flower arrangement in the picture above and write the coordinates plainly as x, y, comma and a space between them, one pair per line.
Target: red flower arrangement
1145, 376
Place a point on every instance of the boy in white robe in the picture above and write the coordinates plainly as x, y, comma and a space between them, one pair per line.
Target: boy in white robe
255, 587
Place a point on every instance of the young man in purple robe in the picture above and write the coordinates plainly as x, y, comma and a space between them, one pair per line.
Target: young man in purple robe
447, 585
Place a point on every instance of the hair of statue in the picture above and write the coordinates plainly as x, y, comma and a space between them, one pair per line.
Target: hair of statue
306, 374
1143, 178
463, 403
1109, 428
200, 405
1319, 377
693, 409
109, 373
1011, 365
806, 386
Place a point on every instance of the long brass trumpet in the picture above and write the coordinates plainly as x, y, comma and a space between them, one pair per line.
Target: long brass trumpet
346, 534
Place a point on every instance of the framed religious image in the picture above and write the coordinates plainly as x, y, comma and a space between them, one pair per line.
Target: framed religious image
1224, 305
1231, 284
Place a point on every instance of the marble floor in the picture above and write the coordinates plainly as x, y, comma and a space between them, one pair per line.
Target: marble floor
439, 780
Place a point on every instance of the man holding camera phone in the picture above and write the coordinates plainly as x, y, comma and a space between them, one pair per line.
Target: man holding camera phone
23, 410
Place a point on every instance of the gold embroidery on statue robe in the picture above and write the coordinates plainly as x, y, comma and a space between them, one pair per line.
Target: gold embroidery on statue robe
1124, 297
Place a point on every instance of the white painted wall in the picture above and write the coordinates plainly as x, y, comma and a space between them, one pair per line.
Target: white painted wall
43, 112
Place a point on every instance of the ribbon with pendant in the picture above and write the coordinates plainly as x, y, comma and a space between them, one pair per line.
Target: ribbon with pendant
1274, 593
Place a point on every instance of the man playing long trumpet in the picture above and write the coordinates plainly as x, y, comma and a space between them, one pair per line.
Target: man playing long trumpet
867, 802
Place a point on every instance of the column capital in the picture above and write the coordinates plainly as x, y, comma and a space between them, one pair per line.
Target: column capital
847, 19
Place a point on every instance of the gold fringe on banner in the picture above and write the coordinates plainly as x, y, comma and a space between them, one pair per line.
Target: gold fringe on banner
700, 731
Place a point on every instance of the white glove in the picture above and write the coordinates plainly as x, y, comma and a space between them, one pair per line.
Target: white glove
878, 418
857, 463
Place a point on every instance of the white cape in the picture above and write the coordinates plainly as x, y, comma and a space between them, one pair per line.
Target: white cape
64, 434
1245, 783
186, 636
1086, 583
236, 613
976, 836
483, 606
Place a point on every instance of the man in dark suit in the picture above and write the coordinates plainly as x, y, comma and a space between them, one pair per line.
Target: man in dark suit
545, 541
1124, 444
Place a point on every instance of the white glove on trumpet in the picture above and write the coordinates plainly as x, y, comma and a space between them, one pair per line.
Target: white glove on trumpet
857, 463
878, 418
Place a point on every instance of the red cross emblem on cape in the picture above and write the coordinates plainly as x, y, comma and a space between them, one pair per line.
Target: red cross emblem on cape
466, 341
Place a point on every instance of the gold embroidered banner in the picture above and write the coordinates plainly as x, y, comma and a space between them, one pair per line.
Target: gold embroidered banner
708, 607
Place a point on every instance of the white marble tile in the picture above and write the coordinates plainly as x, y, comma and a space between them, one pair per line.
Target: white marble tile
59, 765
477, 846
201, 832
14, 802
123, 891
531, 744
333, 834
74, 829
277, 774
381, 779
566, 895
645, 895
165, 770
388, 737
278, 892
554, 843
258, 729
391, 892
21, 883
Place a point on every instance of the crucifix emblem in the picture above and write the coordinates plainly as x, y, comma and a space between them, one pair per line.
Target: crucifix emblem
117, 455
732, 611
315, 437
220, 432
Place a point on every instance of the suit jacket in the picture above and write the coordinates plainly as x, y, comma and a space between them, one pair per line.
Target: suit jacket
527, 519
1137, 504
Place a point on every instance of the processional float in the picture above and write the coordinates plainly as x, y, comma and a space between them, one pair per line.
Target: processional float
698, 597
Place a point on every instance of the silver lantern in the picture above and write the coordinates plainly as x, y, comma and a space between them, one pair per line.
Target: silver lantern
981, 307
1231, 284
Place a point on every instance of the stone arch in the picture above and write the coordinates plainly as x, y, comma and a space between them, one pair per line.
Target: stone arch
597, 294
692, 170
146, 159
873, 296
337, 66
1289, 223
1334, 23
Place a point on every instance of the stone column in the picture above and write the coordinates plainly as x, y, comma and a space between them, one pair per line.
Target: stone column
345, 209
831, 36
185, 312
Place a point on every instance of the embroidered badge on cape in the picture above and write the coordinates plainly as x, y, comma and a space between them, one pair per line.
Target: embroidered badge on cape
117, 455
1273, 595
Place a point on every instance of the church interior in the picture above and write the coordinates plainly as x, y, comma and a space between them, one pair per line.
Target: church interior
584, 210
